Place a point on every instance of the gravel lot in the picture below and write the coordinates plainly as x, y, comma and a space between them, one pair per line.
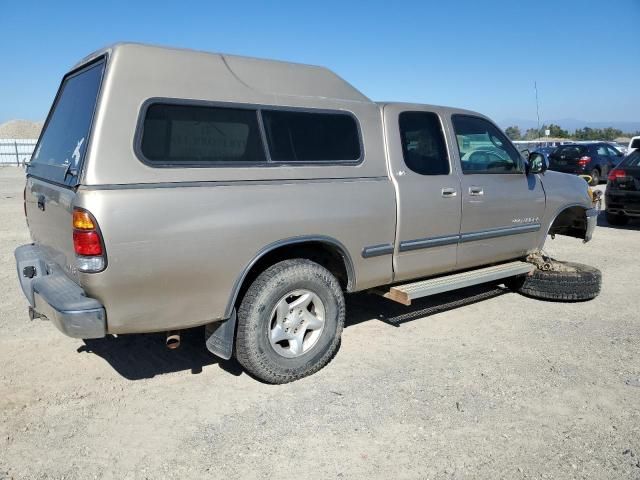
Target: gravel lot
500, 387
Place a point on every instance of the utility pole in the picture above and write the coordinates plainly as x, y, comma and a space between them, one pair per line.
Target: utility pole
535, 86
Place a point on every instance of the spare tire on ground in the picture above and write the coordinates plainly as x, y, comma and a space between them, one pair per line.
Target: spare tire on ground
563, 281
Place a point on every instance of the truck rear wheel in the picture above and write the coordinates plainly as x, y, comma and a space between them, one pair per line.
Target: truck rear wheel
290, 321
568, 282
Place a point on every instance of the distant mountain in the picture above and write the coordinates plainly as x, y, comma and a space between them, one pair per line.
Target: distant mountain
572, 124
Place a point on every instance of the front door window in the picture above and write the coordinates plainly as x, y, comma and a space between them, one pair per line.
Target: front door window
484, 148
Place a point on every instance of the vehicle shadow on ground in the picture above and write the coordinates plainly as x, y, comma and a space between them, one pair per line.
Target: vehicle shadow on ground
140, 356
634, 224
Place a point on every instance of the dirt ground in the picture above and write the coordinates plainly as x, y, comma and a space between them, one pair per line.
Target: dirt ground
480, 383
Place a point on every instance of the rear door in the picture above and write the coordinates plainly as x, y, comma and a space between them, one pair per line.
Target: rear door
428, 193
600, 158
501, 205
55, 166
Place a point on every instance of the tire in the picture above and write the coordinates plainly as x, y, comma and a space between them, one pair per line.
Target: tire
616, 219
595, 177
574, 283
274, 307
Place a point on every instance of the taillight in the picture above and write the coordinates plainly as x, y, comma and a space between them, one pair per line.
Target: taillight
615, 174
87, 242
583, 161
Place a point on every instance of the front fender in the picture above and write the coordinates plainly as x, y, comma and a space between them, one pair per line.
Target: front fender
569, 208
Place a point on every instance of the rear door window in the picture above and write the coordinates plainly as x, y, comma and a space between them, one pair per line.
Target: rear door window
613, 152
423, 145
632, 161
63, 142
317, 137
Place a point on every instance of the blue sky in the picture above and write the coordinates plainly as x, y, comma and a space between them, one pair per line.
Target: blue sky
482, 55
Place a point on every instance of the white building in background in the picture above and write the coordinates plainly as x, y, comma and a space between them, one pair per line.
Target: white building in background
16, 151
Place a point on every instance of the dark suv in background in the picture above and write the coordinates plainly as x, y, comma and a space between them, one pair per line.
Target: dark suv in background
622, 196
594, 159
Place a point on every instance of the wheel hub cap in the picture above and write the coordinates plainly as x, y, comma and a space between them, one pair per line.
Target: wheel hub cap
297, 321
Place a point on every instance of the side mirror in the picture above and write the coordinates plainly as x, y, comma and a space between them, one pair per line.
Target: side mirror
538, 163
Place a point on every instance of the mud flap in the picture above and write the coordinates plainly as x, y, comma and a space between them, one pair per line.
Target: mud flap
219, 336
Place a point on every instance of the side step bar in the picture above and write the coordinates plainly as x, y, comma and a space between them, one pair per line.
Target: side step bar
406, 293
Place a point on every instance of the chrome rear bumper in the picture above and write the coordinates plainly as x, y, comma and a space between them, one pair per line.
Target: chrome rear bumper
52, 294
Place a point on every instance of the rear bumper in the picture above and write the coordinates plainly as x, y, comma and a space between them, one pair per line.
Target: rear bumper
51, 293
629, 212
572, 169
623, 203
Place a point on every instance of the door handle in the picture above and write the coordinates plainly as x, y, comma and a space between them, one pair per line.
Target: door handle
476, 191
449, 192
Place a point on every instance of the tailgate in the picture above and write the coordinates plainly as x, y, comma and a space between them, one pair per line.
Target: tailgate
623, 190
50, 218
630, 181
566, 158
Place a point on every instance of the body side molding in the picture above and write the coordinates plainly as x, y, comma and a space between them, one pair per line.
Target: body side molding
377, 250
420, 243
499, 232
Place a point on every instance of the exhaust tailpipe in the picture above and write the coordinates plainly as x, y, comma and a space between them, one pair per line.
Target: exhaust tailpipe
173, 340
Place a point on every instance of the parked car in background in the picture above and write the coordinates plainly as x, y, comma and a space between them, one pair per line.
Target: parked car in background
634, 145
595, 159
623, 191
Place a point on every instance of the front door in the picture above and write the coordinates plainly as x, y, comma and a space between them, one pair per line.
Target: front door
501, 206
428, 193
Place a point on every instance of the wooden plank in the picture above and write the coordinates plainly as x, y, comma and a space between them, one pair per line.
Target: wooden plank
398, 295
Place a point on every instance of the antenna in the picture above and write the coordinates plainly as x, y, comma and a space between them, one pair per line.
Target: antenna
535, 86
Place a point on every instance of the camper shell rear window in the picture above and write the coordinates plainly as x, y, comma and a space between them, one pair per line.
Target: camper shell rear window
59, 154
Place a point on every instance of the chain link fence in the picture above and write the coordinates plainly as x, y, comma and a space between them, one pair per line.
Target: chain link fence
16, 151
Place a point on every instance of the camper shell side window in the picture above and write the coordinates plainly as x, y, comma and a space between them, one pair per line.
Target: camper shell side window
173, 133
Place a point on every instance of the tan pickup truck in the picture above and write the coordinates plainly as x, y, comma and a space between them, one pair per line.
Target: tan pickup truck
172, 189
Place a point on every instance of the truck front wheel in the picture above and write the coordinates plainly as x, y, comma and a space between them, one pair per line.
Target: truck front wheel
565, 282
290, 321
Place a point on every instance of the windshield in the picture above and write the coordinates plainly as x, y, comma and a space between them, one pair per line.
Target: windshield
64, 140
